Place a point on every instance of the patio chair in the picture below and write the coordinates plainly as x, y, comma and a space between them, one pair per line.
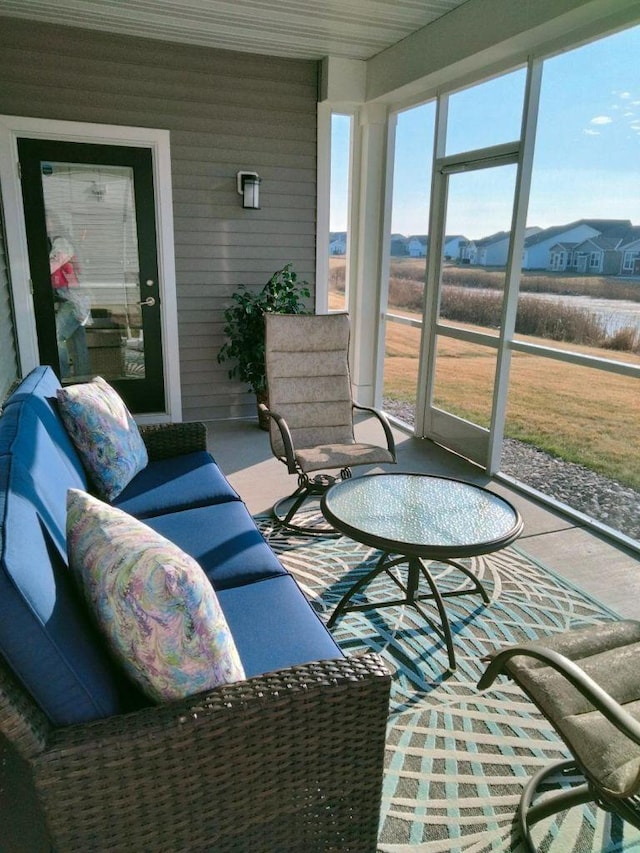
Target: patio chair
587, 683
311, 407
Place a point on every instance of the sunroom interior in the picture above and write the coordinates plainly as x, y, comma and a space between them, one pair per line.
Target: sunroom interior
350, 115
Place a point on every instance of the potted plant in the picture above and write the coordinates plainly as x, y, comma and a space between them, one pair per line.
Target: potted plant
244, 328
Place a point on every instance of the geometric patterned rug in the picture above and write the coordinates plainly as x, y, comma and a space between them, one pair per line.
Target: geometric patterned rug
457, 758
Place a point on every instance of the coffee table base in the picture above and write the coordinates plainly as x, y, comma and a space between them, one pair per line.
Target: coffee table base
416, 568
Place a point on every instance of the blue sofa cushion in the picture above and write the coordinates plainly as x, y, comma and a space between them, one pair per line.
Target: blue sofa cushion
46, 635
274, 626
170, 485
41, 382
31, 428
224, 540
31, 432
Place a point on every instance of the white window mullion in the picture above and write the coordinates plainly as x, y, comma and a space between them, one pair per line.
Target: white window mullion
433, 272
514, 265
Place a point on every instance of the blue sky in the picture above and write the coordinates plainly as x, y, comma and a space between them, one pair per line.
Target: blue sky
587, 154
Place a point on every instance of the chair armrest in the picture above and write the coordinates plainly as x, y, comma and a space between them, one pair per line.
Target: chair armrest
391, 443
599, 698
291, 760
285, 434
165, 440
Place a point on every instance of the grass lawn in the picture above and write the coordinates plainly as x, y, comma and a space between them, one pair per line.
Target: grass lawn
580, 414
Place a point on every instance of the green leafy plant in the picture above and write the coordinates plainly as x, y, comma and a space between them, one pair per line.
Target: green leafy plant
244, 320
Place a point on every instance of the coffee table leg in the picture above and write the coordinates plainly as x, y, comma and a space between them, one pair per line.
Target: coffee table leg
346, 598
474, 580
444, 619
415, 568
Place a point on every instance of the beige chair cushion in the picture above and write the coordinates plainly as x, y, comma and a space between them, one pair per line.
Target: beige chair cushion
341, 456
308, 379
610, 654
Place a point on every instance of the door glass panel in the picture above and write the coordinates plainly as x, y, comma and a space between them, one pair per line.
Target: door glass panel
487, 114
476, 247
464, 374
95, 277
561, 416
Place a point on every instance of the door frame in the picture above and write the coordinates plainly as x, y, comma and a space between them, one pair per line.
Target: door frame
482, 445
13, 127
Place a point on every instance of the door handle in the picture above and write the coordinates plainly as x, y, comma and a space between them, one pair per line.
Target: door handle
150, 301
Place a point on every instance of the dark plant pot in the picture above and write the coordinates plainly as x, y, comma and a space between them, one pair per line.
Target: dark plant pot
263, 419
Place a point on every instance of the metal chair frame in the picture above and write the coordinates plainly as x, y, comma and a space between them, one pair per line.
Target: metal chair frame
530, 812
310, 487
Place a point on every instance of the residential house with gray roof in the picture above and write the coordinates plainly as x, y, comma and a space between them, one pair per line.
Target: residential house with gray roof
538, 246
630, 252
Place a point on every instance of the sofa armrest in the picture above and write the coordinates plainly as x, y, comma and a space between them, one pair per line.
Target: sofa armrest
291, 760
165, 440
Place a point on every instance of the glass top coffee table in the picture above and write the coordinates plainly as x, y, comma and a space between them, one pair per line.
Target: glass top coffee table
416, 519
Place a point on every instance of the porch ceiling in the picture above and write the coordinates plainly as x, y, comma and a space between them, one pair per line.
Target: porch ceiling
304, 29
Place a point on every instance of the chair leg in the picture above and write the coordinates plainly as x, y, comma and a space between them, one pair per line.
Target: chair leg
306, 490
530, 813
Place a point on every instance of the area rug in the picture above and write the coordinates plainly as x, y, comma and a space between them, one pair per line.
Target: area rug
456, 758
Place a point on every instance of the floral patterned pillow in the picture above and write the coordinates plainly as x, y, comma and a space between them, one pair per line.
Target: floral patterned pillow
104, 433
154, 604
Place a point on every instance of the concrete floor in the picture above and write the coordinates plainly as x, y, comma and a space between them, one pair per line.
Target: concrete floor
594, 564
590, 561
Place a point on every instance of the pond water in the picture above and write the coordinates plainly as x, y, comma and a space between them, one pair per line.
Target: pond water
613, 314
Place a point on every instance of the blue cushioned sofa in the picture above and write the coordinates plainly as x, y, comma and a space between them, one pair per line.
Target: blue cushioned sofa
289, 759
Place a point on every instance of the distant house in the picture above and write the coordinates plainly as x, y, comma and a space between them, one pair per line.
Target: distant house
537, 247
398, 248
338, 243
630, 258
453, 245
561, 256
597, 256
492, 251
468, 252
417, 246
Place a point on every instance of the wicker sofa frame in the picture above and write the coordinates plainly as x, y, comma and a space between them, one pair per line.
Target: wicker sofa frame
288, 761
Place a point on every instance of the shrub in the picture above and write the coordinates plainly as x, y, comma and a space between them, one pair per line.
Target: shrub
337, 273
624, 340
470, 306
405, 293
557, 321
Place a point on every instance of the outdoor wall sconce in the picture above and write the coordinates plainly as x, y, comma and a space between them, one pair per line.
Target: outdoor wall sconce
249, 189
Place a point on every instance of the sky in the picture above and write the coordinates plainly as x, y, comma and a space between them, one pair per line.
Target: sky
587, 151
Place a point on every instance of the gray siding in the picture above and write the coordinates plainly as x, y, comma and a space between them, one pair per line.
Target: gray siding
226, 111
8, 359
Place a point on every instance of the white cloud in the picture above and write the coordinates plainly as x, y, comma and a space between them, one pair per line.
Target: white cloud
590, 132
625, 95
601, 120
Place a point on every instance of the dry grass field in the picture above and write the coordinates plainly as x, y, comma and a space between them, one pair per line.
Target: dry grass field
580, 414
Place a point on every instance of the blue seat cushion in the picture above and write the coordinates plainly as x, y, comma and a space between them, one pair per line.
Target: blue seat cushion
46, 634
174, 484
224, 540
274, 626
